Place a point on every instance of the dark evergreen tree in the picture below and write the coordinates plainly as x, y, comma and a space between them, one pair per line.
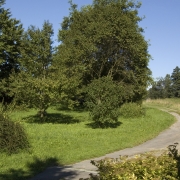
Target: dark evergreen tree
167, 86
157, 90
161, 88
176, 82
11, 31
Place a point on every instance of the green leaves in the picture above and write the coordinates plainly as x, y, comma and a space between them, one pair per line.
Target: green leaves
36, 85
104, 39
103, 100
176, 82
131, 110
166, 87
10, 42
103, 43
12, 136
144, 166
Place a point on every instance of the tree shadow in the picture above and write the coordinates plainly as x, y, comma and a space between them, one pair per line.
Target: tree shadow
95, 125
75, 108
55, 118
37, 166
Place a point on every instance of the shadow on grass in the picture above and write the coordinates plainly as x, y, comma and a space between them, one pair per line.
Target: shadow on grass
95, 125
56, 118
75, 109
37, 166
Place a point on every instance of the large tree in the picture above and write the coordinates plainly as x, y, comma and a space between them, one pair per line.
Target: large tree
10, 46
104, 39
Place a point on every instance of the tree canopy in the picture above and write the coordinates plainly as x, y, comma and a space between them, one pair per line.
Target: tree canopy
176, 82
99, 43
35, 84
11, 31
104, 39
166, 87
10, 41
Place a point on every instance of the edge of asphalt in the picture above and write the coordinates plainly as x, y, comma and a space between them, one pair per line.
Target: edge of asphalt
84, 168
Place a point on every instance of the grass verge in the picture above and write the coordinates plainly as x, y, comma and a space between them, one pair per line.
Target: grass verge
69, 139
171, 104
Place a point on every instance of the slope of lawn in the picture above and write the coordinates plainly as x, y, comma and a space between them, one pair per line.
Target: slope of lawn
67, 137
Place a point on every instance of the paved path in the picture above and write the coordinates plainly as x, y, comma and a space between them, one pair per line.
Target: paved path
84, 168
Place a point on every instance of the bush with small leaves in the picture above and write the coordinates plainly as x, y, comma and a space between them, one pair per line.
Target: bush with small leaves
12, 136
131, 110
146, 166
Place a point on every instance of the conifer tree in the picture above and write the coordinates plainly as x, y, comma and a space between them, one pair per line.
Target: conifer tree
11, 31
175, 76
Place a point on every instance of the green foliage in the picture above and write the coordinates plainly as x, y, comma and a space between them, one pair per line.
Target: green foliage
176, 82
144, 166
104, 39
131, 110
162, 88
12, 136
10, 42
167, 87
157, 89
103, 99
11, 31
69, 81
36, 85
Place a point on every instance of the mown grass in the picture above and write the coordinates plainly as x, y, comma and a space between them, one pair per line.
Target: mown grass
171, 104
69, 139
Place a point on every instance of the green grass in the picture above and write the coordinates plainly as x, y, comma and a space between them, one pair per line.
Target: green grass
62, 143
171, 104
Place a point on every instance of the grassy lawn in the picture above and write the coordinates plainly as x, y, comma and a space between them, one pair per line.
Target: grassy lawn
172, 104
68, 138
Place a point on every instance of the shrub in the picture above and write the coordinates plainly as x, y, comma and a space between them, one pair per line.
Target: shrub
12, 136
145, 166
103, 99
131, 110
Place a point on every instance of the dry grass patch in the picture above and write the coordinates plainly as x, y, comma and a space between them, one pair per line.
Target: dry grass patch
172, 104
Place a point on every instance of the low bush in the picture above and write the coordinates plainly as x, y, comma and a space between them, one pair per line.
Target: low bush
12, 136
131, 110
145, 166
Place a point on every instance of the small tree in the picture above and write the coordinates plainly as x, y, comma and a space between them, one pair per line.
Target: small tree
36, 85
104, 97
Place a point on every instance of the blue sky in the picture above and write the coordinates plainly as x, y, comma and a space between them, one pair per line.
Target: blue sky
161, 25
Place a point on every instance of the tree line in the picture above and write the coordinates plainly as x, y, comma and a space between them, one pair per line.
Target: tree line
166, 87
102, 59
